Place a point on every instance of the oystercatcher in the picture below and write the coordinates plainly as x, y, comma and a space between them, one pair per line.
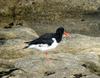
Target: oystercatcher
47, 41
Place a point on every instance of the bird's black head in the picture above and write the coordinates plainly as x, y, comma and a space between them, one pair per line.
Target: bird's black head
60, 30
59, 34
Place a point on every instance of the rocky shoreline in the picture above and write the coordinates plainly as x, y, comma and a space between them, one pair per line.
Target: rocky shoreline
77, 56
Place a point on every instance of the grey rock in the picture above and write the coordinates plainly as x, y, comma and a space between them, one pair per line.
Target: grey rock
76, 56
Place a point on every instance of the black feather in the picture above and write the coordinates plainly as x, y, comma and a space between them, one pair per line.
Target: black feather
44, 39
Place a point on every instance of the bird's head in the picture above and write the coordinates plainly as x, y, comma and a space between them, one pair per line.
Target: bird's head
61, 31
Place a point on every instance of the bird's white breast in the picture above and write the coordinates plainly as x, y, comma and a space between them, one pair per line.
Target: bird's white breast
44, 47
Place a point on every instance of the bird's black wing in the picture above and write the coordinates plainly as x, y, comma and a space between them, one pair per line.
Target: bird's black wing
44, 39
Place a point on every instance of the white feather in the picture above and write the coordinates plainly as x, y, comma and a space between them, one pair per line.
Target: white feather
44, 47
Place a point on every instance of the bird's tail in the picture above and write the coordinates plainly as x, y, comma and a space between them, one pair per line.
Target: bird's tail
25, 47
26, 42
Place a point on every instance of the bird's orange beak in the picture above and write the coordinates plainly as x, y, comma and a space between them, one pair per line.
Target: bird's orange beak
66, 34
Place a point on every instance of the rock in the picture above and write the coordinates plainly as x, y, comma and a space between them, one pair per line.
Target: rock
71, 59
7, 70
39, 11
18, 32
12, 41
38, 7
61, 65
75, 57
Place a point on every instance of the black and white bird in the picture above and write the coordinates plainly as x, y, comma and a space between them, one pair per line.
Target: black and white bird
47, 41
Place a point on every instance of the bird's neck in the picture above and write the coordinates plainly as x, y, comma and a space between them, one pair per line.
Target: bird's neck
58, 37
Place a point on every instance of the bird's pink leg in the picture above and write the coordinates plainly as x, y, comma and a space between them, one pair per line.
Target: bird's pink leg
48, 59
46, 55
